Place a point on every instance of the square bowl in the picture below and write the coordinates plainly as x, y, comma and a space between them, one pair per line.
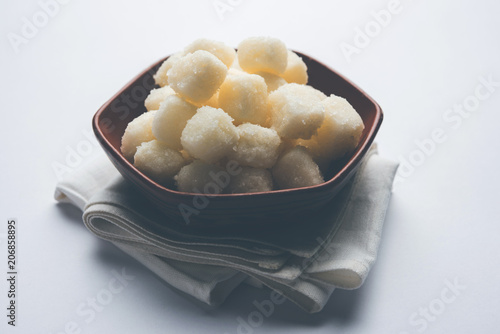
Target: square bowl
251, 209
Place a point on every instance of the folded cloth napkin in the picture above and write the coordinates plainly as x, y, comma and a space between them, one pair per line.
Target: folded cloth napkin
304, 262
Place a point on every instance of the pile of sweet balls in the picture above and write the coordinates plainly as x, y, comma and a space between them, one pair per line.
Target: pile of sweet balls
252, 107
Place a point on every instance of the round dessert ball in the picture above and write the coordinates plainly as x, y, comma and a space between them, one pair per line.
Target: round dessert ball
138, 131
171, 119
156, 96
222, 51
296, 168
296, 69
200, 177
340, 132
265, 54
296, 111
273, 81
257, 147
161, 77
158, 161
209, 135
244, 97
251, 180
197, 76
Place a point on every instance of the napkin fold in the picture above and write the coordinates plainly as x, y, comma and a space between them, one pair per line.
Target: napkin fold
304, 262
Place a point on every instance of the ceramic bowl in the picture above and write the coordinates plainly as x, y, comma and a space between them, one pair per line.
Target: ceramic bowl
256, 209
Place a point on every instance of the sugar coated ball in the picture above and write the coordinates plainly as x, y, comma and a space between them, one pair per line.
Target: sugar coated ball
296, 111
296, 69
197, 76
138, 131
244, 97
265, 54
171, 119
296, 168
158, 161
257, 147
160, 77
200, 177
156, 96
251, 180
222, 51
273, 81
340, 132
209, 135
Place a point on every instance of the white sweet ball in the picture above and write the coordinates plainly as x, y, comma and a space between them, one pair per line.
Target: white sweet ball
340, 132
171, 119
251, 180
296, 69
156, 96
161, 77
257, 147
265, 54
273, 81
296, 168
138, 131
197, 76
222, 51
244, 97
296, 111
158, 161
200, 177
209, 135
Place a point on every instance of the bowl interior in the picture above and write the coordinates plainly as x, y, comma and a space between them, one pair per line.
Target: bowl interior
112, 118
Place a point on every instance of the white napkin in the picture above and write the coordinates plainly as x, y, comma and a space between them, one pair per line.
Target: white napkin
335, 248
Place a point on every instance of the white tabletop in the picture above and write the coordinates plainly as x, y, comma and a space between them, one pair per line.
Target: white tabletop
432, 66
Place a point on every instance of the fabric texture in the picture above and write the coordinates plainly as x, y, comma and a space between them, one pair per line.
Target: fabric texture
304, 262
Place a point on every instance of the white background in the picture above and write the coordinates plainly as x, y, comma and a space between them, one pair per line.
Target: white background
442, 225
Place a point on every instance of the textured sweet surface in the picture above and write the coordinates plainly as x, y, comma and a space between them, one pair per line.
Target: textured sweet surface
199, 177
257, 146
340, 132
296, 111
209, 135
156, 97
171, 119
197, 76
252, 108
273, 81
244, 97
251, 180
222, 51
265, 54
138, 131
295, 168
158, 161
161, 77
296, 69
